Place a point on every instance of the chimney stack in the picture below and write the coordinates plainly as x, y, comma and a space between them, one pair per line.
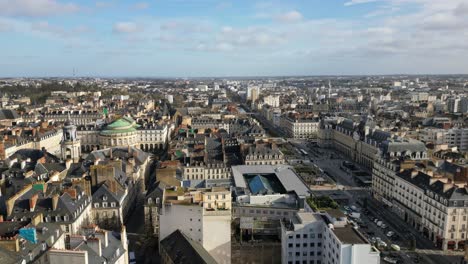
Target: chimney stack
32, 202
68, 163
414, 173
55, 199
447, 186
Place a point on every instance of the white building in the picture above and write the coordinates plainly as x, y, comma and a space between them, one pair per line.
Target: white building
203, 214
321, 238
272, 100
455, 137
300, 128
124, 132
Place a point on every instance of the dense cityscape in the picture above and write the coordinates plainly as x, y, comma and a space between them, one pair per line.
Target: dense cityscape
325, 169
233, 132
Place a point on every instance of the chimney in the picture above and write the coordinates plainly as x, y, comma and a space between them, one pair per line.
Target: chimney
23, 164
95, 244
68, 163
447, 186
112, 186
414, 173
71, 192
55, 199
96, 161
433, 180
102, 235
32, 202
123, 237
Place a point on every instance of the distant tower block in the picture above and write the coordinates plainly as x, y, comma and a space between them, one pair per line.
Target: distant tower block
70, 145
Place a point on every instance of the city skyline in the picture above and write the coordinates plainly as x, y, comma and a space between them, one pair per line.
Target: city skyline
186, 38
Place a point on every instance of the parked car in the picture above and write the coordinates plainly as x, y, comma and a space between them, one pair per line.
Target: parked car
395, 247
390, 260
383, 226
379, 223
390, 233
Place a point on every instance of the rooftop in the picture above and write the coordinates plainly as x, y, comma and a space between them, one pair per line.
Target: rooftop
349, 235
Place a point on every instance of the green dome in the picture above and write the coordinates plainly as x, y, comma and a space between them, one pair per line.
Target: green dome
121, 125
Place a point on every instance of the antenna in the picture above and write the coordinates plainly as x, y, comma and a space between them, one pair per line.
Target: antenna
329, 88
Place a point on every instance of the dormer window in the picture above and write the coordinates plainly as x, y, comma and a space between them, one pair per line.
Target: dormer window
112, 204
104, 198
96, 205
104, 204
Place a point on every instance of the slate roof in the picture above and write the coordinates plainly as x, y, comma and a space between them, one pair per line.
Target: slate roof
183, 250
422, 180
8, 114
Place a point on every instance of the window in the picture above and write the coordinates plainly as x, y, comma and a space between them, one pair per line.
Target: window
319, 236
290, 245
112, 204
96, 205
104, 204
312, 244
298, 236
304, 235
298, 254
298, 245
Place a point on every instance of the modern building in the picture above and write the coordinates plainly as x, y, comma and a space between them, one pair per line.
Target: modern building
204, 215
266, 191
323, 238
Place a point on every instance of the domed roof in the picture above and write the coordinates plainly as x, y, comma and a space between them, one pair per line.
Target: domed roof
121, 125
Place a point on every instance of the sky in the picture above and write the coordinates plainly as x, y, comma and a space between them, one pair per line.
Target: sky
215, 38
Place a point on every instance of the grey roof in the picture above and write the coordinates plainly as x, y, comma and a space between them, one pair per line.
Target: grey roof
423, 181
403, 145
181, 249
8, 114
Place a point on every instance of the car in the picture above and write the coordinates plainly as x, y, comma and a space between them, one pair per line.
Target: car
382, 244
390, 260
376, 220
379, 223
347, 208
383, 226
395, 247
390, 233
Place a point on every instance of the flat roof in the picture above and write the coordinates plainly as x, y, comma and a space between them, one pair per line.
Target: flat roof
348, 235
307, 217
288, 178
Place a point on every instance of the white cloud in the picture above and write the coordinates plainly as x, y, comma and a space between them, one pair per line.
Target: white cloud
290, 17
358, 2
126, 27
36, 8
141, 5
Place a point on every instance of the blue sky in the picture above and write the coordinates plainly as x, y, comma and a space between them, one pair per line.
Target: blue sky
184, 38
